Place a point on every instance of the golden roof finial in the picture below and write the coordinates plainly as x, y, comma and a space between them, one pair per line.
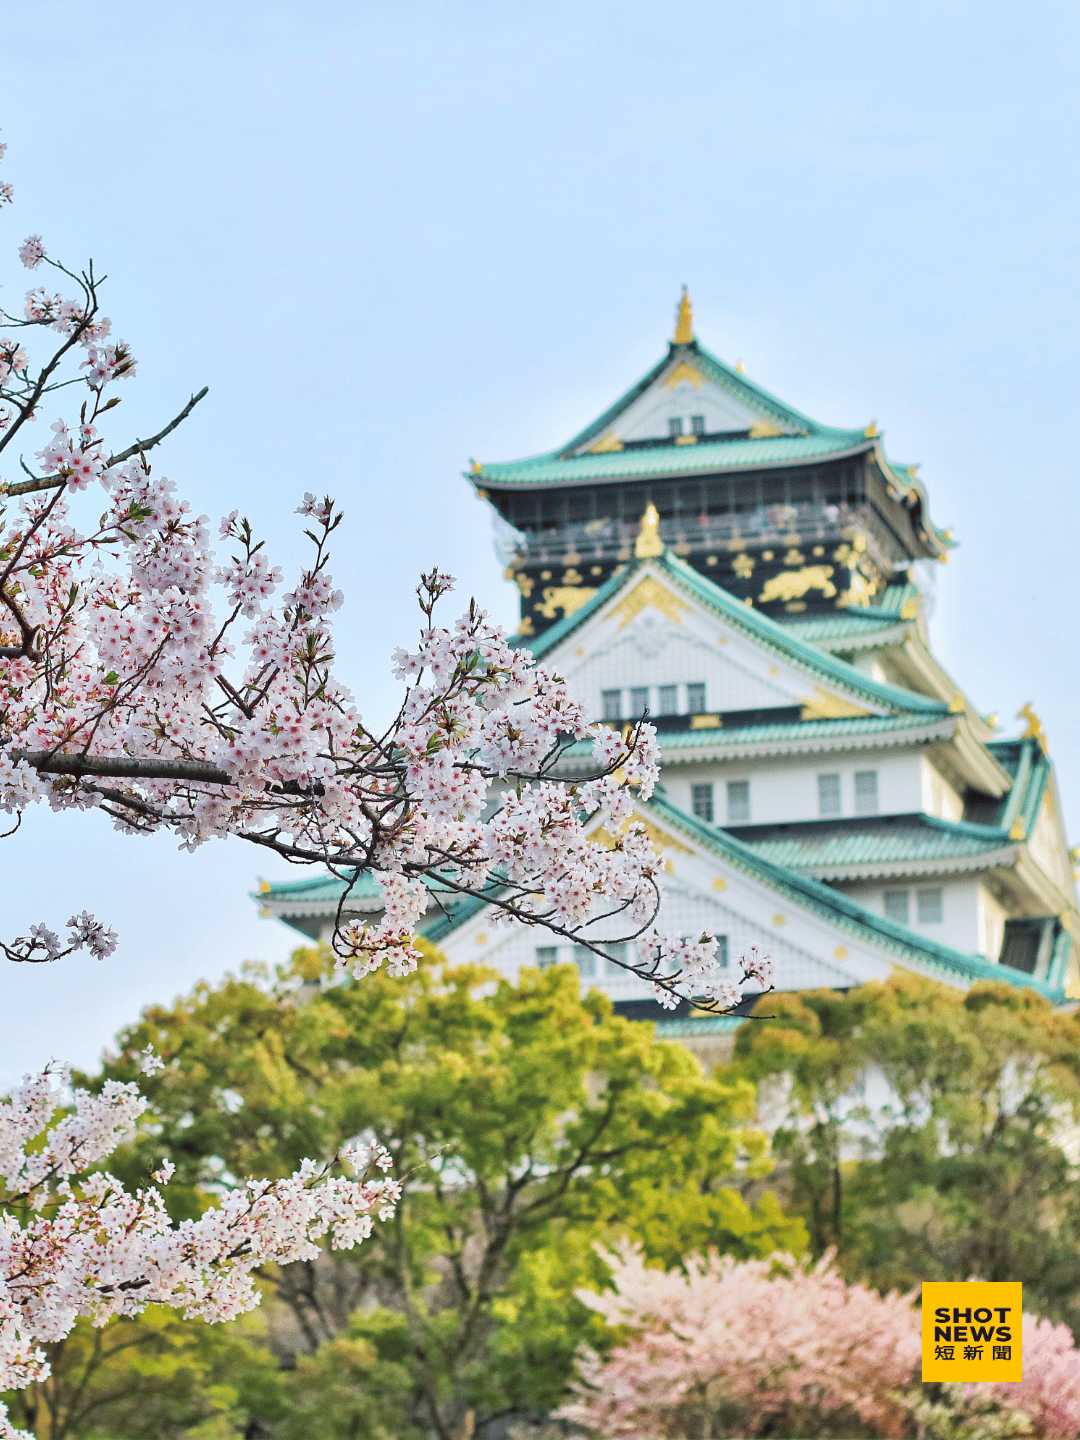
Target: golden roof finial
684, 320
648, 542
1034, 729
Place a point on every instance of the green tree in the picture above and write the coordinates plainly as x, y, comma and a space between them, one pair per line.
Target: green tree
929, 1134
526, 1124
151, 1377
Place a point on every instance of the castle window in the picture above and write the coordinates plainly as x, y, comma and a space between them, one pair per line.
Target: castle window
612, 702
695, 698
697, 424
585, 961
546, 956
674, 425
828, 794
738, 801
930, 907
896, 906
616, 951
866, 792
722, 952
701, 801
639, 701
669, 699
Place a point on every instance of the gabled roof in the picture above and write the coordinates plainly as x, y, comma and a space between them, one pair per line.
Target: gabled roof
773, 434
292, 901
779, 639
908, 947
754, 397
942, 961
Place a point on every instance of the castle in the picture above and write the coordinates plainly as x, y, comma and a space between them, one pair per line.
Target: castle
759, 584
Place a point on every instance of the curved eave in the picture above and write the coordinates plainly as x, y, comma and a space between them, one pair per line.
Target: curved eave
700, 747
900, 478
674, 462
898, 869
916, 952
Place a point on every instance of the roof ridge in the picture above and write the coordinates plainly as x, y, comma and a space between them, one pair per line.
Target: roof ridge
824, 897
810, 655
807, 655
764, 400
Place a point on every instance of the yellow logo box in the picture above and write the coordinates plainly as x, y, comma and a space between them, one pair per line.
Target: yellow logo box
971, 1330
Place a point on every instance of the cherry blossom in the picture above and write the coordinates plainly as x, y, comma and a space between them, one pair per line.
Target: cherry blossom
90, 1248
761, 1342
170, 688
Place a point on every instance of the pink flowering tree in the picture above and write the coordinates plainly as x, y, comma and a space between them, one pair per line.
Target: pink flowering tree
74, 1242
142, 676
748, 1345
743, 1347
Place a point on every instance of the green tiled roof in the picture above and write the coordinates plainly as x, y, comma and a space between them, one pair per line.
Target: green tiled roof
939, 960
318, 889
891, 729
1031, 770
685, 746
774, 636
754, 396
703, 458
843, 628
783, 878
845, 912
861, 845
805, 441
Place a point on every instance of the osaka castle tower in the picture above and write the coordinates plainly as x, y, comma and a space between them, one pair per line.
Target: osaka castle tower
759, 583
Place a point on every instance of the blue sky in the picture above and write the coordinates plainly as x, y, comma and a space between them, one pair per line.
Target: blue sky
391, 238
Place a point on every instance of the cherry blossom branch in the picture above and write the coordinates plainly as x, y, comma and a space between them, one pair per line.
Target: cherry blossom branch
119, 663
84, 1246
138, 447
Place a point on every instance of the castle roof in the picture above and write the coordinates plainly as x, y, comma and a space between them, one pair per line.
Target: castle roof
744, 427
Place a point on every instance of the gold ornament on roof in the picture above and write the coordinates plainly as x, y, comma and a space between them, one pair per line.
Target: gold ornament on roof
648, 542
684, 372
792, 584
684, 321
1034, 729
648, 591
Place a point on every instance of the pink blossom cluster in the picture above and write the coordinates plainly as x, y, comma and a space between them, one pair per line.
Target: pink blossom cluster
1050, 1390
172, 689
760, 1336
759, 1340
90, 1248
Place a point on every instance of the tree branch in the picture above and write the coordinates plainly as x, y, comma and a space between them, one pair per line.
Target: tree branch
53, 482
128, 767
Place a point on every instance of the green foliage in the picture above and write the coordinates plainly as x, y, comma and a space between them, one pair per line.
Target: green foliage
929, 1134
150, 1378
526, 1124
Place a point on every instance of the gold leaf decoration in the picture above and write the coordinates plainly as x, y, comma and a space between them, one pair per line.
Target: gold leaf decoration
824, 705
791, 584
649, 591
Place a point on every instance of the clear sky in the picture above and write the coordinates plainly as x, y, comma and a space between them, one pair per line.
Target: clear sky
394, 237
